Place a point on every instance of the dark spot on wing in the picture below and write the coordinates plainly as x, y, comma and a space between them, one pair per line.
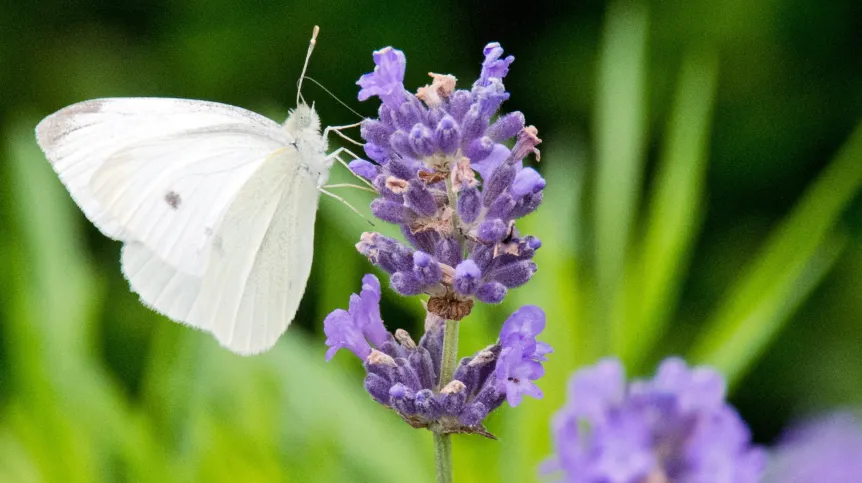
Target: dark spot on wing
173, 199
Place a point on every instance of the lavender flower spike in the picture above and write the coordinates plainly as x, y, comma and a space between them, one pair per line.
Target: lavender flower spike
674, 427
430, 151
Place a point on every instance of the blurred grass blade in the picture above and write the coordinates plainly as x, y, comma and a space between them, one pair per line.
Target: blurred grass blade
620, 135
675, 204
291, 401
559, 290
757, 306
51, 324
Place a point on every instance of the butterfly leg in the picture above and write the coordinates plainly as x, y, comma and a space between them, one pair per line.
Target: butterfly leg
348, 185
336, 155
333, 195
338, 129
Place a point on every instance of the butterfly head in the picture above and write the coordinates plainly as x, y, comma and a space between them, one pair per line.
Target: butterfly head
303, 120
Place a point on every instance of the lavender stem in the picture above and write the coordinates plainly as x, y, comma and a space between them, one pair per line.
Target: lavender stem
442, 442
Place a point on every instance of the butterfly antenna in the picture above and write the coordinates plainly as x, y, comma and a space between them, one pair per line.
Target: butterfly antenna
336, 97
311, 45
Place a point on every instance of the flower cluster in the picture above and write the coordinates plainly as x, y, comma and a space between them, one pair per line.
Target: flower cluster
675, 427
405, 376
443, 173
825, 449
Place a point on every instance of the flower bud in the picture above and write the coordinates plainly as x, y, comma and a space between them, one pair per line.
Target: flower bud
364, 168
469, 204
419, 199
388, 210
467, 275
492, 230
506, 126
492, 293
422, 140
448, 135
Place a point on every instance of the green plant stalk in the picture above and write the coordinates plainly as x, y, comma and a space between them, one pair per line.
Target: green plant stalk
443, 442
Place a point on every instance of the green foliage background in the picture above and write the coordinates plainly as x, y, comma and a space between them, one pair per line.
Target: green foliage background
703, 159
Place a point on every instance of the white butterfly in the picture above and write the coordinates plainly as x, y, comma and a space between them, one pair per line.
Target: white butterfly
214, 204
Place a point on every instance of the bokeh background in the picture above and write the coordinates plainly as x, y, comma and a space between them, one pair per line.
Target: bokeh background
703, 162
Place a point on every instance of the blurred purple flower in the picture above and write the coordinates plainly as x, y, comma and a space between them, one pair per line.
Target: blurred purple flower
674, 427
825, 449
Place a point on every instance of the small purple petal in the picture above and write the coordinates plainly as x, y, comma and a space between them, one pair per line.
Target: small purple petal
342, 332
387, 79
525, 323
493, 66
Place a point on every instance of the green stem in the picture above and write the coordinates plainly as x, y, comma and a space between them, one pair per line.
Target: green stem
443, 457
442, 442
450, 352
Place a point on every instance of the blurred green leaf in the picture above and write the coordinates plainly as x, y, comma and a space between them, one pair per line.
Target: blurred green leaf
795, 256
653, 286
620, 127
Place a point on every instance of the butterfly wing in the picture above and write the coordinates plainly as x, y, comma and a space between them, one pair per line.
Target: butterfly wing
260, 259
213, 206
162, 287
160, 172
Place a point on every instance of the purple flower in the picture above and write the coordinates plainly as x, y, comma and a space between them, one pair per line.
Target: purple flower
519, 363
674, 427
352, 329
493, 66
443, 172
516, 371
824, 449
387, 80
343, 333
429, 150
